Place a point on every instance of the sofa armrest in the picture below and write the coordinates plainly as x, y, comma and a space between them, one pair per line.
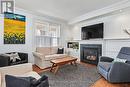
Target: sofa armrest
105, 59
119, 72
17, 69
4, 60
38, 55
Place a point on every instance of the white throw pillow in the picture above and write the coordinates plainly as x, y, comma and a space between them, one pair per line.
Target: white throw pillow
120, 60
13, 56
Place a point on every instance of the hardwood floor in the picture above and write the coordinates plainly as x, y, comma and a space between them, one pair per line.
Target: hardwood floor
103, 83
100, 83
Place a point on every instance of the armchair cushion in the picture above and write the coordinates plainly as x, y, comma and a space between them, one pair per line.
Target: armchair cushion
105, 65
12, 81
119, 72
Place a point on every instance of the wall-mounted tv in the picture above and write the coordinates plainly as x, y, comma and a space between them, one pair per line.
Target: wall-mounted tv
92, 31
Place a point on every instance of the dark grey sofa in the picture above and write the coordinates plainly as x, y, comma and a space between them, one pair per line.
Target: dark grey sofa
116, 72
5, 60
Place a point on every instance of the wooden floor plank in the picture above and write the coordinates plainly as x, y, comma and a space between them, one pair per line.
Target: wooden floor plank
103, 83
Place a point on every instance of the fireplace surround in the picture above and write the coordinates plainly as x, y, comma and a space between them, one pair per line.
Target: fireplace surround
90, 53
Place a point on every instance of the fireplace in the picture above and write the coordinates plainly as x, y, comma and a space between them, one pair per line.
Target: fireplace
89, 53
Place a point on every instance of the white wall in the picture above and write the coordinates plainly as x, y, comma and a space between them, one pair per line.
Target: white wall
114, 36
28, 47
113, 26
65, 35
112, 47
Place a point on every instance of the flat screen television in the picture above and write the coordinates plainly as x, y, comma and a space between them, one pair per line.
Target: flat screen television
92, 31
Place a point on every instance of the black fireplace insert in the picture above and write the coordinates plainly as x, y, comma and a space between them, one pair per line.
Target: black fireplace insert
90, 53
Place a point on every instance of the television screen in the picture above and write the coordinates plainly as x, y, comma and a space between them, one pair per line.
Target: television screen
93, 31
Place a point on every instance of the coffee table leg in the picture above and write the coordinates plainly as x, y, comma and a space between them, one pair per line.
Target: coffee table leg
56, 70
52, 67
75, 63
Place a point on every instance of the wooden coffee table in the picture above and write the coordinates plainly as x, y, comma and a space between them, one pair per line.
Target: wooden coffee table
59, 62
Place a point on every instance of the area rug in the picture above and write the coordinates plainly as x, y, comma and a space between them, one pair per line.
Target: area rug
72, 76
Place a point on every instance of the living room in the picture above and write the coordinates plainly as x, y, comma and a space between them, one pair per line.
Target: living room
65, 43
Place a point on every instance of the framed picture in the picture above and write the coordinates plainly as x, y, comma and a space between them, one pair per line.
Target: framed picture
74, 45
14, 28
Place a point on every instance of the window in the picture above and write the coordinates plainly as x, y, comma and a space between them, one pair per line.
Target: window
54, 41
54, 30
47, 34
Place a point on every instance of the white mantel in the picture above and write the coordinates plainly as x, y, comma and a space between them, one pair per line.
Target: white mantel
110, 47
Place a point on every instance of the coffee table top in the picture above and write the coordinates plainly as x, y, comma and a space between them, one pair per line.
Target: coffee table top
62, 60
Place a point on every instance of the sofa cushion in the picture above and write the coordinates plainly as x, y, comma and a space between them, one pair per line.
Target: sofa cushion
44, 50
105, 65
53, 50
54, 56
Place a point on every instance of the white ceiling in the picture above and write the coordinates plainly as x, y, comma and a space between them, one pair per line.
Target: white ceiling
64, 9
